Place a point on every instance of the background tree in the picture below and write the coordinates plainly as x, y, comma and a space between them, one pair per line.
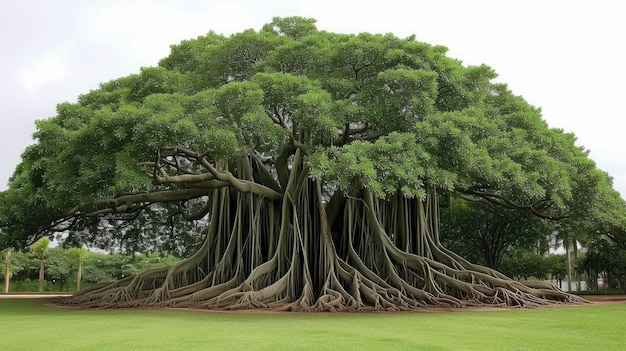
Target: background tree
41, 249
604, 260
78, 254
557, 266
14, 262
602, 217
59, 269
492, 231
165, 232
315, 158
525, 265
8, 268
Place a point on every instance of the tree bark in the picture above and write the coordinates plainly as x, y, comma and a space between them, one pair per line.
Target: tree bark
41, 273
7, 272
79, 274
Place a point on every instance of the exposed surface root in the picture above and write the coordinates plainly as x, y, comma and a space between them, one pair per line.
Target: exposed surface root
337, 295
287, 256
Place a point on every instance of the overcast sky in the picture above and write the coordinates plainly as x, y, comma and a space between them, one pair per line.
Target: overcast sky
568, 58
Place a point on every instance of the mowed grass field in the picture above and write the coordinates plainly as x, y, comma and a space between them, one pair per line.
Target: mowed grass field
28, 324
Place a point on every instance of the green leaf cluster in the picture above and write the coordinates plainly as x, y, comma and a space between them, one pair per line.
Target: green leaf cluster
368, 110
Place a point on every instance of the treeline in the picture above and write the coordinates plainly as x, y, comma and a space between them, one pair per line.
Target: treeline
517, 244
61, 268
600, 266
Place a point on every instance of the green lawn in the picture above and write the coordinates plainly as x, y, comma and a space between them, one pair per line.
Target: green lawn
25, 324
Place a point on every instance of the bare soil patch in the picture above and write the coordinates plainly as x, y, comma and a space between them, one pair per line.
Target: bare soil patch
591, 299
605, 299
32, 295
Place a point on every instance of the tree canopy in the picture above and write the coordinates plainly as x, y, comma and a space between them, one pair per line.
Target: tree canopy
317, 160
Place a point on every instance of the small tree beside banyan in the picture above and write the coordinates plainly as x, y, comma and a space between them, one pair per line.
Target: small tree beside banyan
318, 161
41, 249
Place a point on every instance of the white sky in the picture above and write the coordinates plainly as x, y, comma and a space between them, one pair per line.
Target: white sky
567, 57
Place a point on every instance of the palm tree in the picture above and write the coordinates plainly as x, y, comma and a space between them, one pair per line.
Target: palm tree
7, 268
79, 253
41, 248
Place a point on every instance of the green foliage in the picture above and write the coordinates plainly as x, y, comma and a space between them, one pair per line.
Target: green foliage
100, 267
78, 253
59, 268
11, 261
525, 265
604, 259
369, 111
31, 285
390, 163
62, 266
41, 247
487, 233
161, 230
21, 260
557, 265
293, 27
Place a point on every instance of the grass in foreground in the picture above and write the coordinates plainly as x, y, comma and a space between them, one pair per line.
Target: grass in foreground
25, 324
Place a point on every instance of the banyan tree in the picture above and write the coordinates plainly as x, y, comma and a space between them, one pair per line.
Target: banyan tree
319, 163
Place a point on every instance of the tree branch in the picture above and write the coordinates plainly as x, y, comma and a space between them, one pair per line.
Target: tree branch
242, 185
491, 198
123, 203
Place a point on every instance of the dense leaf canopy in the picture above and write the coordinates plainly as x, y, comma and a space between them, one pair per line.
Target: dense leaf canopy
387, 112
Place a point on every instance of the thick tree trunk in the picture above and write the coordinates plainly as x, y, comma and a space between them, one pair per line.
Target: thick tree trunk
364, 254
